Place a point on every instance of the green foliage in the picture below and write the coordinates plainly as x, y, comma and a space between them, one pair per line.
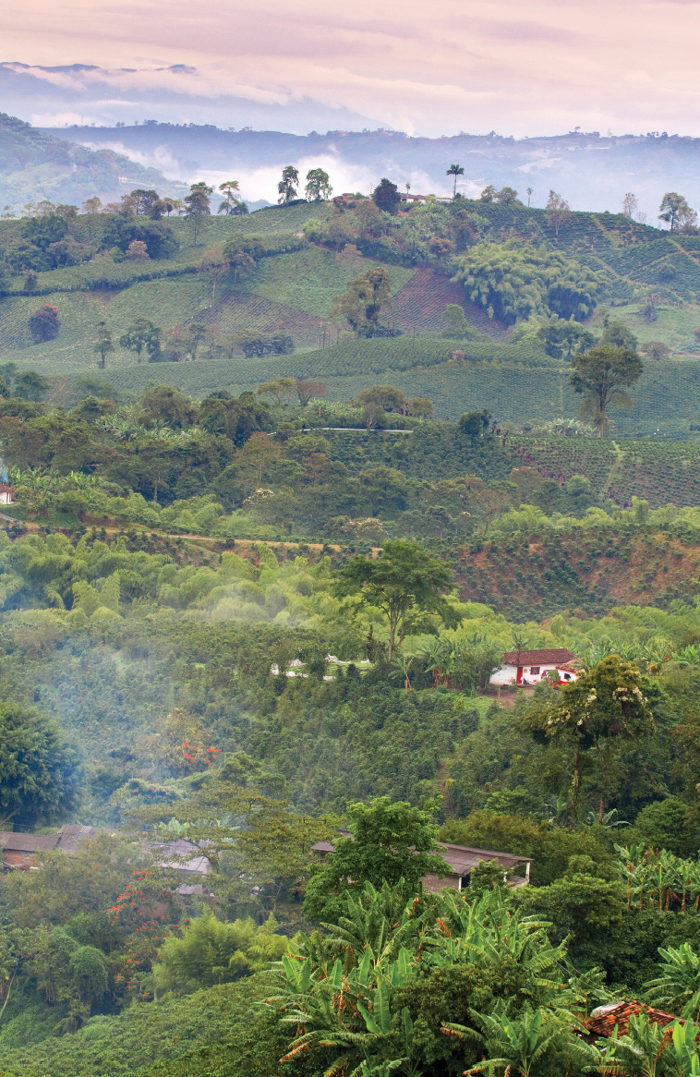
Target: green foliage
512, 282
362, 303
534, 1043
115, 1046
386, 196
39, 773
678, 987
406, 584
210, 952
159, 237
379, 1018
601, 374
602, 707
390, 843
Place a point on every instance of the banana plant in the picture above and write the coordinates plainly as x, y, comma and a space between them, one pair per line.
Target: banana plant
638, 1052
440, 654
684, 1060
492, 931
402, 668
520, 1046
678, 988
350, 1013
379, 921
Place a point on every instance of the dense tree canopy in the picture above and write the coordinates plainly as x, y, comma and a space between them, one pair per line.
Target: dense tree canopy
513, 282
39, 772
407, 583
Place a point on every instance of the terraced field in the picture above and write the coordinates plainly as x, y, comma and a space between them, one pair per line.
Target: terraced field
421, 301
530, 579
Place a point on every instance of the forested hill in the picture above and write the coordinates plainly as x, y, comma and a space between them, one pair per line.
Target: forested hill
593, 172
35, 165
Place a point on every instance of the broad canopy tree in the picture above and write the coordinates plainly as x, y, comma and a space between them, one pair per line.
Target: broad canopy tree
287, 186
39, 772
386, 196
141, 333
363, 301
198, 208
674, 209
392, 843
606, 705
406, 583
602, 375
318, 187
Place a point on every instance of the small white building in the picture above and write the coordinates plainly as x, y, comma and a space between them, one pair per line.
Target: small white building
529, 667
5, 494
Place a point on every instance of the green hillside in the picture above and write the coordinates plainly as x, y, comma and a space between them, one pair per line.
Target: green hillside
292, 291
665, 398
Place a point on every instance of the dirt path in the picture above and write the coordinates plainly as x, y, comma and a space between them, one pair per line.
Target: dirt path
507, 696
619, 457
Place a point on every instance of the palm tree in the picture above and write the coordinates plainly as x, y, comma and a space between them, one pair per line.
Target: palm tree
455, 170
528, 191
520, 644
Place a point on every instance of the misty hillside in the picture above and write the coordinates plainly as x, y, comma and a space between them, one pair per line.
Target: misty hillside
590, 171
35, 165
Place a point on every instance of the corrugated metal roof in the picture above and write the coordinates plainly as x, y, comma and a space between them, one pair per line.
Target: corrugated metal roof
460, 858
27, 843
72, 834
553, 656
463, 858
179, 855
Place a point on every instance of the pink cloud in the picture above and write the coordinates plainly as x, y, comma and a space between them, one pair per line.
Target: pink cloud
455, 64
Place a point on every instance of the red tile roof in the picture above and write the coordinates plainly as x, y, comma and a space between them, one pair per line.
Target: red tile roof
603, 1020
554, 656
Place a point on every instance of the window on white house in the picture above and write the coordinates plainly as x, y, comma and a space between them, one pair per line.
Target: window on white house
534, 669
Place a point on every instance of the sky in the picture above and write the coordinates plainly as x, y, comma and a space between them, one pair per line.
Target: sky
432, 69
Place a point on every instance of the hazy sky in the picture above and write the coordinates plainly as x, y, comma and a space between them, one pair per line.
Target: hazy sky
426, 68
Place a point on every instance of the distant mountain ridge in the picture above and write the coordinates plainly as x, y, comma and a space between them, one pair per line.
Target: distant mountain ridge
591, 171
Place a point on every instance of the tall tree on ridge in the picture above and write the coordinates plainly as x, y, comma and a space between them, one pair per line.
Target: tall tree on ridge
455, 170
287, 186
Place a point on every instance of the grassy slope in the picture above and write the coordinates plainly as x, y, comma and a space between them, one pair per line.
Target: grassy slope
309, 280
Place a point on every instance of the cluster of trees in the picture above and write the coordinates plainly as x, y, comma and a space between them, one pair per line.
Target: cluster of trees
131, 229
442, 481
318, 187
514, 281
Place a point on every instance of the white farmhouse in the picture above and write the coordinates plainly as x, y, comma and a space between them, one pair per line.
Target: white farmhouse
529, 667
